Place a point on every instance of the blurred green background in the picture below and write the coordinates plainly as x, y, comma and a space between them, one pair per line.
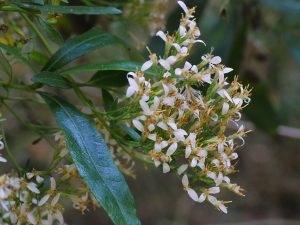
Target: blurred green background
260, 39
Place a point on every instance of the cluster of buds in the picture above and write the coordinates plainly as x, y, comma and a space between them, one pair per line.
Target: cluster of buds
183, 114
13, 31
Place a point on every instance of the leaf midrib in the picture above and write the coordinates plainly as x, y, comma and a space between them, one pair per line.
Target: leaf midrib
68, 114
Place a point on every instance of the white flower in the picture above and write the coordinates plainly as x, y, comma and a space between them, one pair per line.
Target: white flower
166, 63
224, 94
186, 68
32, 187
207, 195
185, 9
133, 87
44, 200
172, 149
182, 169
166, 167
191, 192
225, 108
150, 62
162, 35
190, 144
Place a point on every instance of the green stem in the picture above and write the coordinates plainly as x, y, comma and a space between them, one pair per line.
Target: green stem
38, 33
9, 153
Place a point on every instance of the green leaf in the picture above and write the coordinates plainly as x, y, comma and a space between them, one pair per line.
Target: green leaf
16, 53
106, 66
52, 33
38, 57
108, 79
94, 162
79, 46
5, 66
131, 132
108, 100
78, 10
51, 79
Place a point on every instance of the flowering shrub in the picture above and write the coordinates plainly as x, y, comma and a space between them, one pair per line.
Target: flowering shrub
175, 116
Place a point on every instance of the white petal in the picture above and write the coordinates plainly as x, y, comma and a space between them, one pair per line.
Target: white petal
165, 64
185, 181
138, 125
171, 60
171, 149
177, 46
206, 78
172, 124
182, 169
162, 35
221, 77
39, 179
223, 208
55, 199
155, 105
187, 65
145, 108
225, 108
130, 91
2, 159
157, 163
183, 6
194, 162
214, 190
152, 137
188, 151
44, 200
227, 70
178, 71
164, 144
193, 195
182, 31
212, 199
202, 153
146, 65
162, 125
216, 60
157, 147
226, 179
202, 198
32, 187
199, 41
151, 127
166, 168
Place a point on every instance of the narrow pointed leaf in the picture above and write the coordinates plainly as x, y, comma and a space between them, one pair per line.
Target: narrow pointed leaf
105, 66
79, 46
94, 162
79, 10
51, 79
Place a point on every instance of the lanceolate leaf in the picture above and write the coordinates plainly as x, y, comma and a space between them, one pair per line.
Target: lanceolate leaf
105, 66
79, 46
79, 10
93, 161
108, 79
16, 53
51, 79
51, 31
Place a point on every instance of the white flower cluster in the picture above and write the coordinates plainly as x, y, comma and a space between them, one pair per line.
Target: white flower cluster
183, 114
21, 201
